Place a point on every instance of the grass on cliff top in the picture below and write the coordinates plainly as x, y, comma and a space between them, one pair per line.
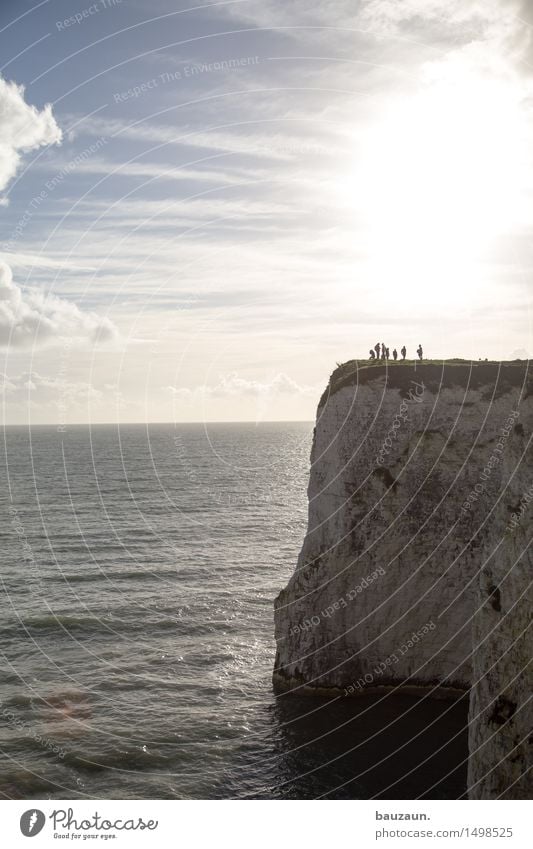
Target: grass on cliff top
435, 374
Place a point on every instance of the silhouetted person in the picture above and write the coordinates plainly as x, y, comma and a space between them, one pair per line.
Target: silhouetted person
404, 352
377, 350
395, 354
372, 354
420, 352
383, 351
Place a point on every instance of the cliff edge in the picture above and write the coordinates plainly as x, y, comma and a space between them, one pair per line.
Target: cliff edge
415, 568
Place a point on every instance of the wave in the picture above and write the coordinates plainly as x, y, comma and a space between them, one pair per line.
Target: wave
109, 624
136, 758
134, 575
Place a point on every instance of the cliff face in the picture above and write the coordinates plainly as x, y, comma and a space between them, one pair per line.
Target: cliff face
415, 477
500, 702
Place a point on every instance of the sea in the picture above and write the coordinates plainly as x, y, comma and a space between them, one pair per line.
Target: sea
139, 566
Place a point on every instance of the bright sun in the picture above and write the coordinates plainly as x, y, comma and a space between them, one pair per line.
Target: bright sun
443, 175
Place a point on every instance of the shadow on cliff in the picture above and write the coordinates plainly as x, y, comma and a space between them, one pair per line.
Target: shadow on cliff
390, 746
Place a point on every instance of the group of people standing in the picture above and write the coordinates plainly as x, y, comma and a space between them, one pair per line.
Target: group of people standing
381, 352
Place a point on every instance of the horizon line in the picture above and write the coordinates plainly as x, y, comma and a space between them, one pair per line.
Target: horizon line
62, 428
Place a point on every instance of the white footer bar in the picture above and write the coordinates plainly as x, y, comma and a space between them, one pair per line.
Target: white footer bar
266, 824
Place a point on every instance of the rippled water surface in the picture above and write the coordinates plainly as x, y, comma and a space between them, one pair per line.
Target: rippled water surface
139, 568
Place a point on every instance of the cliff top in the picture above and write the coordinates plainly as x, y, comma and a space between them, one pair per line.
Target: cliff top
435, 375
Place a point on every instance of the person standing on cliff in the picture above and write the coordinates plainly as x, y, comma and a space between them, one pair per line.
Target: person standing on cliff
383, 351
395, 354
420, 352
387, 353
377, 350
404, 352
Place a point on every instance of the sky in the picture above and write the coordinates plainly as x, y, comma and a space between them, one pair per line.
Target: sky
206, 206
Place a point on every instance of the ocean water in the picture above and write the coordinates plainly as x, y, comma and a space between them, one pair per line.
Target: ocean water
138, 571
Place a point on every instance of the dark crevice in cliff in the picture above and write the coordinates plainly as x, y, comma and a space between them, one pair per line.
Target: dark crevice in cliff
384, 474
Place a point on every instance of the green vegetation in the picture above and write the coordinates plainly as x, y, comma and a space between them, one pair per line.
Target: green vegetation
434, 374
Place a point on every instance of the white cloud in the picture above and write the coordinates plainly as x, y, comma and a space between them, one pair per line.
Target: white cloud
497, 25
55, 396
233, 386
264, 143
487, 36
154, 171
28, 319
487, 15
281, 384
6, 384
34, 261
43, 385
22, 128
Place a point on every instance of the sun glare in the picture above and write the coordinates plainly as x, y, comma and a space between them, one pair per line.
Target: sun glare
444, 174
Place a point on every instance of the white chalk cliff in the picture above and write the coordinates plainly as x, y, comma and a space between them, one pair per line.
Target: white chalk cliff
500, 722
413, 572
